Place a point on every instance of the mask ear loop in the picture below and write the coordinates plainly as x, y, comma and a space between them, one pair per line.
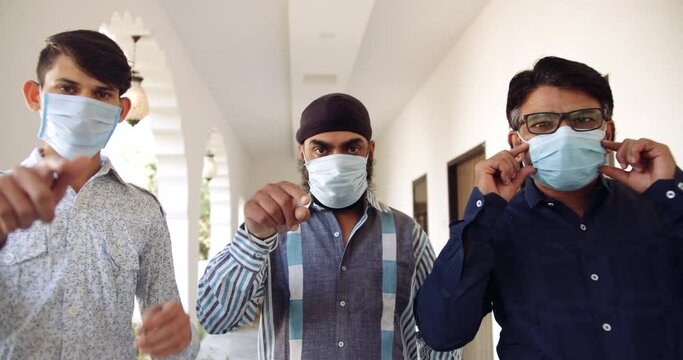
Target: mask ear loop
310, 196
524, 141
521, 138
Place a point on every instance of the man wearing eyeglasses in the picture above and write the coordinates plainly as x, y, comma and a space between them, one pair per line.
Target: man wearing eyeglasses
575, 265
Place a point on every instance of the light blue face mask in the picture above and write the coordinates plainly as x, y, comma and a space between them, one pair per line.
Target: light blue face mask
567, 160
76, 125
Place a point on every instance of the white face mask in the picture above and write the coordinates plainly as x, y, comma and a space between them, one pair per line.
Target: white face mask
76, 125
337, 181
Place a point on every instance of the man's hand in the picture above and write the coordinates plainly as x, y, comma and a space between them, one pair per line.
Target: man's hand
30, 194
501, 173
165, 330
650, 161
276, 207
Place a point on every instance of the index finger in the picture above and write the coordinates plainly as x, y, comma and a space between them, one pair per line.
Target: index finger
297, 192
66, 171
521, 148
611, 145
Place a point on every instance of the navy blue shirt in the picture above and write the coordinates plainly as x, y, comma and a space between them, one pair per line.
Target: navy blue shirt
607, 285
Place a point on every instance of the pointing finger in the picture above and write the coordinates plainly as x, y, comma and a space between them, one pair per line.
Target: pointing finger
294, 190
611, 145
519, 149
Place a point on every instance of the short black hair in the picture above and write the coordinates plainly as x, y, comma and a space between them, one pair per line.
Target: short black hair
562, 73
94, 53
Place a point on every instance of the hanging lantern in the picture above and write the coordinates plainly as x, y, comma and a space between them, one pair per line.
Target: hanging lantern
139, 107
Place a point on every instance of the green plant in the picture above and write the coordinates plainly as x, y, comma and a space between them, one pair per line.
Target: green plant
140, 356
201, 332
204, 221
152, 182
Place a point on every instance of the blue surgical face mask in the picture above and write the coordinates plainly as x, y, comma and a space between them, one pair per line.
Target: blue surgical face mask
567, 160
76, 125
337, 181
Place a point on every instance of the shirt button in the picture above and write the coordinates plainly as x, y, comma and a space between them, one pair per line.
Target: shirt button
551, 204
343, 268
607, 327
258, 256
595, 277
336, 234
8, 258
479, 203
342, 303
680, 185
340, 344
583, 227
670, 194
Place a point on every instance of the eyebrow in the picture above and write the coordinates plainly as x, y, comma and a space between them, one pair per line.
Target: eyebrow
344, 144
71, 82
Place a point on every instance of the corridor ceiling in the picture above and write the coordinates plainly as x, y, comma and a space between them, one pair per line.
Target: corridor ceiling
265, 60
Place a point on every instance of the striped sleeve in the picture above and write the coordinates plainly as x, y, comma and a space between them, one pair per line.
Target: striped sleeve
232, 287
424, 258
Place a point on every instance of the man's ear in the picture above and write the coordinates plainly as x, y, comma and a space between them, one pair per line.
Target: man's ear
513, 139
125, 105
31, 90
300, 150
610, 130
371, 152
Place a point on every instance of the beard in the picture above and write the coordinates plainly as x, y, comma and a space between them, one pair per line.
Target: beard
304, 173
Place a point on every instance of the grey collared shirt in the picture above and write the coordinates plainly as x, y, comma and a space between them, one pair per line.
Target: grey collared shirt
342, 297
67, 288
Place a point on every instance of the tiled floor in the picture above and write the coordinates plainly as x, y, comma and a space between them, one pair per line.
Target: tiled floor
236, 345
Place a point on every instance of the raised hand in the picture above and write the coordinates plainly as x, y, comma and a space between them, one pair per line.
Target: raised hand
276, 207
28, 194
502, 174
650, 161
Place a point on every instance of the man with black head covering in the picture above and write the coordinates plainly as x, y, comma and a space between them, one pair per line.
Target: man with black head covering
332, 270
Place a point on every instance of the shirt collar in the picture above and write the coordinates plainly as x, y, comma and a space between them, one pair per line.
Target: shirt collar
370, 201
534, 196
106, 166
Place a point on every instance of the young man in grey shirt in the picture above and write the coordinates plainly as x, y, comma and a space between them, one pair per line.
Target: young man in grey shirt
78, 244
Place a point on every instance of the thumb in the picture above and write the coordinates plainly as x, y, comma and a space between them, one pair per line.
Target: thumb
615, 173
67, 172
522, 174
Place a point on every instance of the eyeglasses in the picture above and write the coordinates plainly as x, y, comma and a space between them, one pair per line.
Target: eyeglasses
548, 122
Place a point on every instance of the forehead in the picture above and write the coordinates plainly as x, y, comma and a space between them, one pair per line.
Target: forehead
335, 138
555, 99
65, 68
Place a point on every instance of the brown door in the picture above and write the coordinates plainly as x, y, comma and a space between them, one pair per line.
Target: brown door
460, 185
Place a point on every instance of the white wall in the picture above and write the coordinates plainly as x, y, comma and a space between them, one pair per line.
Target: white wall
272, 170
24, 25
462, 104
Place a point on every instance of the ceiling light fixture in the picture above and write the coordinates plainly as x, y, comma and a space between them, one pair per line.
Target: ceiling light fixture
210, 168
138, 97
